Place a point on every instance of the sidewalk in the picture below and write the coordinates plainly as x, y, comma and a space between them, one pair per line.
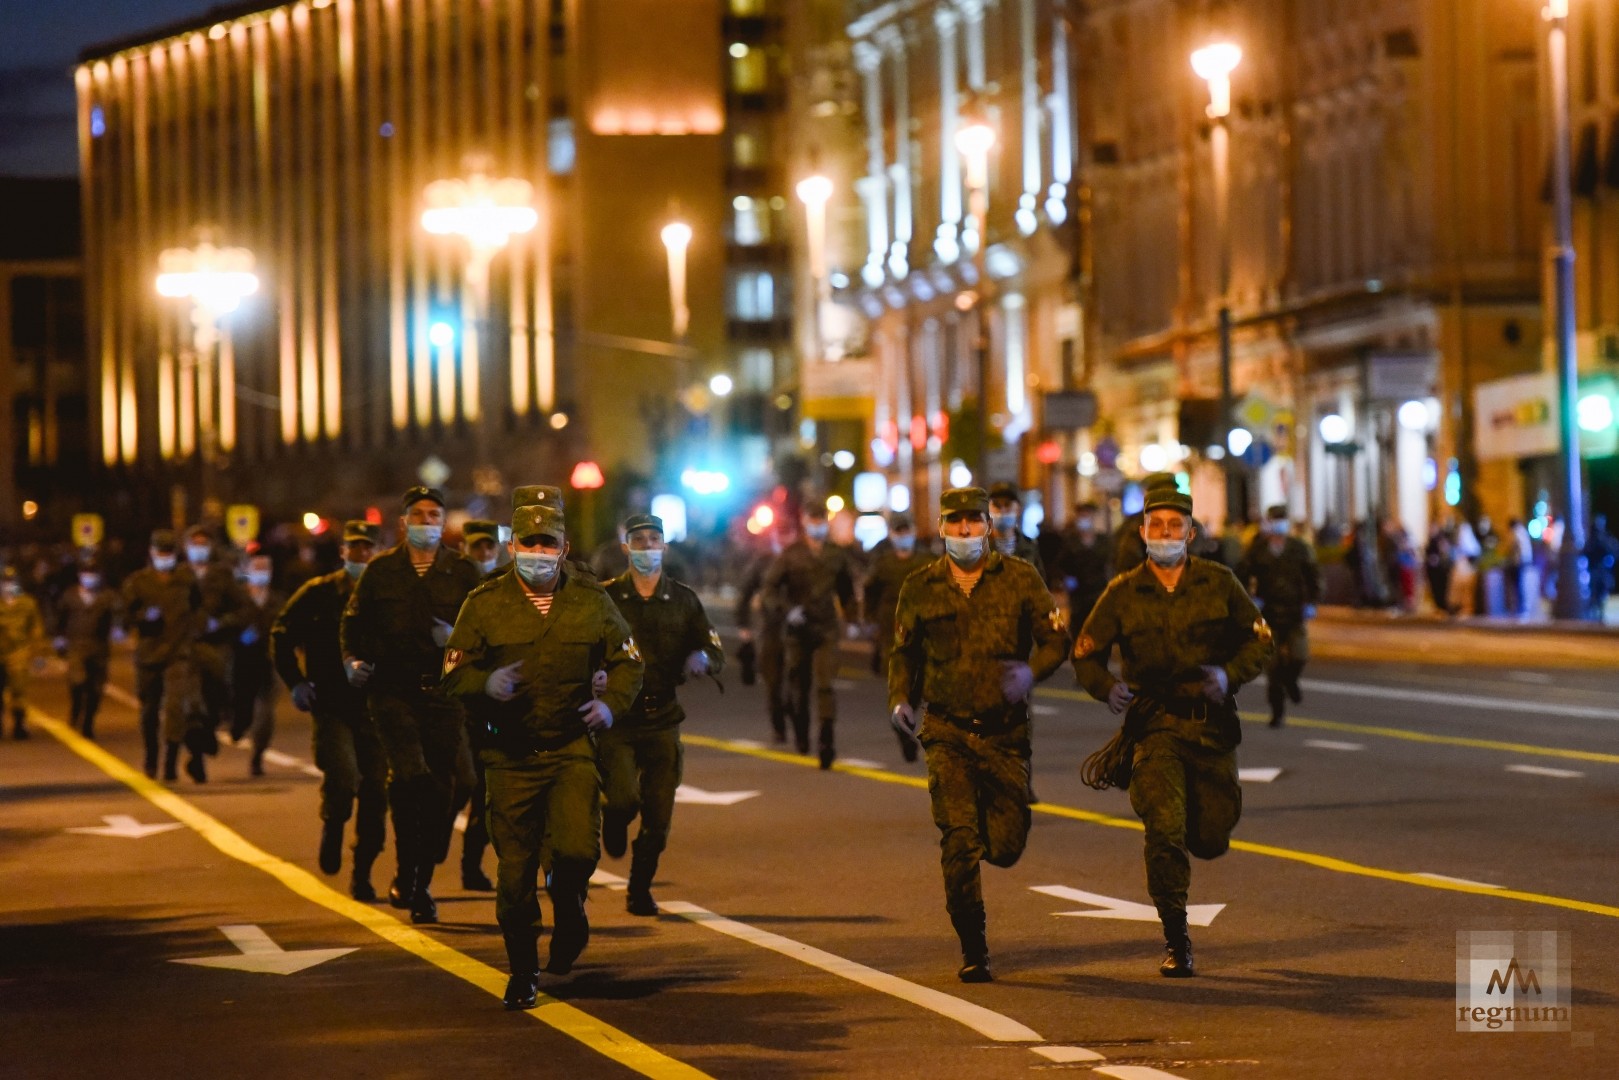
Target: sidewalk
1344, 633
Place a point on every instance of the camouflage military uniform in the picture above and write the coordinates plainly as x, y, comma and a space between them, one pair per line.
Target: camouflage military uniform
84, 622
1184, 781
641, 755
950, 653
538, 755
162, 606
1285, 581
816, 581
22, 636
769, 642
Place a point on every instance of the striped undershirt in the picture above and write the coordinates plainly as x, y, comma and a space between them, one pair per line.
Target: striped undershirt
541, 601
964, 580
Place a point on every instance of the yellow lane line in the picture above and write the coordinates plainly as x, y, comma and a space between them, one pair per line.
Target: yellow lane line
1396, 733
1091, 817
570, 1021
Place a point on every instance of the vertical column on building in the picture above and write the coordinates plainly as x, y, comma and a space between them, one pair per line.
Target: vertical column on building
1062, 124
893, 44
415, 178
136, 185
947, 241
520, 355
1029, 80
395, 216
539, 240
873, 187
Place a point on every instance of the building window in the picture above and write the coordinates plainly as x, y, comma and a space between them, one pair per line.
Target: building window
750, 72
749, 149
745, 8
559, 151
753, 296
756, 370
750, 221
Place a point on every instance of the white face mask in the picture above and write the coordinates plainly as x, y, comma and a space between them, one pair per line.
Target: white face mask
1166, 552
197, 554
488, 565
165, 563
258, 578
424, 537
817, 530
90, 582
964, 550
536, 567
647, 562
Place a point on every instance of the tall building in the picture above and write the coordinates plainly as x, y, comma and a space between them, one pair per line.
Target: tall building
1386, 227
308, 132
933, 281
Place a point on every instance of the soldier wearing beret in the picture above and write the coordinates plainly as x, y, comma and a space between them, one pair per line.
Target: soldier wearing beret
1280, 570
524, 654
348, 750
896, 560
395, 627
1189, 636
641, 755
1006, 515
974, 632
812, 582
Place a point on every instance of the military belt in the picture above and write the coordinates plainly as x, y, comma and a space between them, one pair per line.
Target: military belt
995, 722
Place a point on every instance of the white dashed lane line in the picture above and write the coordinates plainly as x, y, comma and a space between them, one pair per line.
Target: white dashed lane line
1542, 770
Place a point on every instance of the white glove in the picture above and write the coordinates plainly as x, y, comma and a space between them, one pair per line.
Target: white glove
598, 683
697, 664
152, 614
598, 717
1017, 681
1119, 698
441, 632
502, 682
904, 720
60, 645
1214, 687
796, 616
118, 635
358, 671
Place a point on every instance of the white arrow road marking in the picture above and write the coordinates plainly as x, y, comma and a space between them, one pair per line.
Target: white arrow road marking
1134, 1072
1046, 710
260, 954
1128, 910
989, 1024
861, 763
1334, 744
747, 744
1453, 880
276, 757
1258, 776
1541, 770
687, 794
122, 825
609, 881
1064, 1055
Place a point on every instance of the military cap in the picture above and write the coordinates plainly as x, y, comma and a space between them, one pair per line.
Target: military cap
1167, 497
9, 575
418, 493
814, 508
901, 522
971, 500
1006, 490
164, 540
358, 530
1276, 513
642, 521
199, 529
480, 530
537, 495
536, 520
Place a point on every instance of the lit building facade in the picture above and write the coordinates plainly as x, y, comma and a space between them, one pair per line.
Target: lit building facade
307, 134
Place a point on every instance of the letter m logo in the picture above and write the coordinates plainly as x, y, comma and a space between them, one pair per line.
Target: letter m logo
1524, 978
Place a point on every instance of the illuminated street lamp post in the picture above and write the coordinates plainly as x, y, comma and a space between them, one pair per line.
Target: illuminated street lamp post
215, 280
974, 140
814, 192
1214, 64
485, 213
1572, 583
676, 240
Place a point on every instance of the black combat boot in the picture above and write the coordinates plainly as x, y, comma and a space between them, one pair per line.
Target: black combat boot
616, 832
1177, 948
829, 751
402, 892
423, 908
523, 988
974, 946
638, 897
360, 877
171, 762
569, 881
331, 846
473, 879
19, 723
196, 769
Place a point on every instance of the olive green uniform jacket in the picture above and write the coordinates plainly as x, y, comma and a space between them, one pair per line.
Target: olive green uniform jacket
668, 627
389, 618
560, 652
949, 647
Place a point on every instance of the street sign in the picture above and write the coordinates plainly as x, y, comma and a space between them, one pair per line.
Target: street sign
1107, 452
260, 954
87, 530
242, 524
1109, 480
1069, 410
1128, 910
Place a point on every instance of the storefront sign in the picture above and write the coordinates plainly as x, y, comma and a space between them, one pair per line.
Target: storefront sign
1516, 417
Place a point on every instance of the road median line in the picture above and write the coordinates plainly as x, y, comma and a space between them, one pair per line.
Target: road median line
1092, 817
578, 1025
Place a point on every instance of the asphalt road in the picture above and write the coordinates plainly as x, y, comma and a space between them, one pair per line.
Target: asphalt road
804, 933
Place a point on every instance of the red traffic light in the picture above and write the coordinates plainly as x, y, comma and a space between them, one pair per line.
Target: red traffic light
587, 476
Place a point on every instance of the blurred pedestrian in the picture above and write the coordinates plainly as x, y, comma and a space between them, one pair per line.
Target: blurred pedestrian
523, 656
1086, 563
880, 598
1601, 551
767, 644
160, 602
395, 627
1189, 637
306, 647
22, 641
1437, 559
1519, 561
974, 632
224, 612
483, 546
1006, 516
87, 620
1280, 572
252, 676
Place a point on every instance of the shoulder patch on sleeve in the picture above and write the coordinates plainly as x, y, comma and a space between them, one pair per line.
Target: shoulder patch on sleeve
632, 650
1262, 630
714, 637
1084, 646
1059, 621
453, 659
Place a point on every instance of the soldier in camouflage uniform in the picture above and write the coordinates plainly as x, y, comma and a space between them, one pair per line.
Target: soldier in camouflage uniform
395, 626
973, 634
226, 611
22, 640
1006, 517
895, 561
484, 547
813, 582
482, 542
1281, 572
641, 755
160, 603
86, 622
523, 656
769, 640
1189, 636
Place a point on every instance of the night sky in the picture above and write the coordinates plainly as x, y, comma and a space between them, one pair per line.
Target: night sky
39, 41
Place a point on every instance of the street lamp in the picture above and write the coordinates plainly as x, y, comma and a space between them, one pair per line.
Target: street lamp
1214, 64
974, 140
676, 239
814, 192
215, 280
1572, 583
486, 213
